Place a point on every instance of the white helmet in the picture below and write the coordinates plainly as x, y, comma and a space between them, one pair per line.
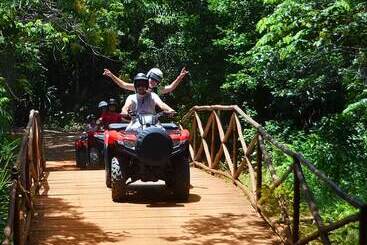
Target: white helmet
155, 74
102, 104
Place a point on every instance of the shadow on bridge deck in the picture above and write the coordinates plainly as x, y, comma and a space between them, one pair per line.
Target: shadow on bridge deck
224, 228
75, 207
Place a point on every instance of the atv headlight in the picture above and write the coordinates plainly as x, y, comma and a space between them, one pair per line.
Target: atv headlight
128, 143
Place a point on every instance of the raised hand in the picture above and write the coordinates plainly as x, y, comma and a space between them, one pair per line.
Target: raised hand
107, 73
183, 72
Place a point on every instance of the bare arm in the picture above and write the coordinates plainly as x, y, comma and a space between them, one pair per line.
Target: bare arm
165, 107
118, 81
162, 105
126, 107
169, 88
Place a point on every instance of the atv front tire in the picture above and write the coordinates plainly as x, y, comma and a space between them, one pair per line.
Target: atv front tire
118, 180
94, 157
81, 157
181, 178
107, 154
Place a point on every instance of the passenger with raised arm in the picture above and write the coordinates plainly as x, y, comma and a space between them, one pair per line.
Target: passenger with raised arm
143, 102
155, 76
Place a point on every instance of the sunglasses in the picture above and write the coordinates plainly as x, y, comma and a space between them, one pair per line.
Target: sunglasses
142, 84
157, 82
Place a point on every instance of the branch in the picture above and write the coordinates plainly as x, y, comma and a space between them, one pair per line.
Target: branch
11, 92
51, 13
94, 51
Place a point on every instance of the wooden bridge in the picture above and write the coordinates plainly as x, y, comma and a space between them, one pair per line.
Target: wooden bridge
53, 202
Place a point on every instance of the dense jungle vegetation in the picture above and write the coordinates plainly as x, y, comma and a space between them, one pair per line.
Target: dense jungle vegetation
298, 67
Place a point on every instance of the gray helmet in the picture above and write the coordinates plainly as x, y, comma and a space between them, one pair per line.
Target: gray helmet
112, 102
102, 104
155, 74
141, 79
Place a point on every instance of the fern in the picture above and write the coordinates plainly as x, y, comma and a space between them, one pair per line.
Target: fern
5, 116
362, 104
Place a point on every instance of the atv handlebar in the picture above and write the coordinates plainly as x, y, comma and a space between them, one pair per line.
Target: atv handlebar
131, 114
165, 113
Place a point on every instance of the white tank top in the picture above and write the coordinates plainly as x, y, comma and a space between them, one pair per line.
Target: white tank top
144, 104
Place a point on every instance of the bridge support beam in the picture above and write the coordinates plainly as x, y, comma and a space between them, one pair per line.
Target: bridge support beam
296, 203
259, 161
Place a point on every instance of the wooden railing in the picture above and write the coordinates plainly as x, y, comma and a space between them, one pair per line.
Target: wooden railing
220, 148
27, 174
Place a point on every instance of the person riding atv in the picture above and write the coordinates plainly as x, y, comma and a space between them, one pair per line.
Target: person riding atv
146, 149
102, 106
142, 102
111, 116
155, 76
88, 149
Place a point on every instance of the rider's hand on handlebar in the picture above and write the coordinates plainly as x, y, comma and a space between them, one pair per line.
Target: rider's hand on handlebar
170, 113
125, 116
131, 113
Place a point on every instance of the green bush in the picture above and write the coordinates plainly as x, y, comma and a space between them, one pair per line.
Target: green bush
64, 121
8, 148
337, 147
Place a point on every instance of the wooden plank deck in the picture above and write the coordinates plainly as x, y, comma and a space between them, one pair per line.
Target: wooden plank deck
75, 207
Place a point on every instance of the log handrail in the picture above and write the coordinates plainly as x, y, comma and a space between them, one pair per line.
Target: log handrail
290, 233
27, 173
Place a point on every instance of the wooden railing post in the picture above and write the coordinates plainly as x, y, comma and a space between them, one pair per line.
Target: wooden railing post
234, 151
15, 231
311, 203
296, 203
259, 159
194, 136
36, 171
41, 144
213, 142
363, 225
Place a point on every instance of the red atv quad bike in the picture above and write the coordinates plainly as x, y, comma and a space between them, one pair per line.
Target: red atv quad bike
155, 151
89, 149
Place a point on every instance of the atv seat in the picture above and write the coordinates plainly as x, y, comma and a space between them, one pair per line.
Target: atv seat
169, 126
117, 126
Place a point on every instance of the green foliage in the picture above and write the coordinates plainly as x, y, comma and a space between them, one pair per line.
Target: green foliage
8, 148
307, 71
309, 54
336, 146
65, 121
359, 105
7, 154
5, 116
